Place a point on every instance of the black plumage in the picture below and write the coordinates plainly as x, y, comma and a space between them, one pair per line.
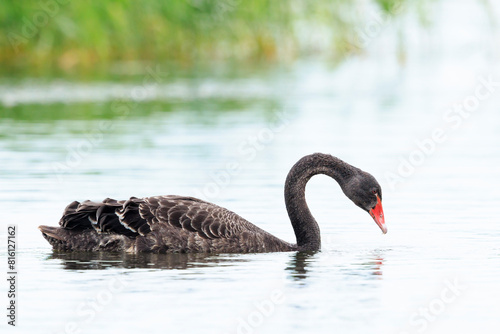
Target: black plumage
173, 224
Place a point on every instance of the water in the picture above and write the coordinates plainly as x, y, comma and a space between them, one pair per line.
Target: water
435, 271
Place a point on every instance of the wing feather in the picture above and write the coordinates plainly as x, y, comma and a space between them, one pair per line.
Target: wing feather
190, 214
139, 216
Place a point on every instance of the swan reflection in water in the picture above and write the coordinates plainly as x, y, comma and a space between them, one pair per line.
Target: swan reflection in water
300, 261
105, 260
298, 266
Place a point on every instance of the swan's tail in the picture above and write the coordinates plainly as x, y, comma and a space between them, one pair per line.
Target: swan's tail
85, 226
84, 240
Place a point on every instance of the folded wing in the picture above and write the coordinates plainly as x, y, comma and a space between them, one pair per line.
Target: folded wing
139, 216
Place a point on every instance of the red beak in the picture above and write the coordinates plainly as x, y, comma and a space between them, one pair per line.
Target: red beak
377, 214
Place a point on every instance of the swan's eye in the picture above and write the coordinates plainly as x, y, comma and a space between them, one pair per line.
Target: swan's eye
374, 192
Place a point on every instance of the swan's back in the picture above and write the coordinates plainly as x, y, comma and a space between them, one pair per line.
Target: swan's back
159, 224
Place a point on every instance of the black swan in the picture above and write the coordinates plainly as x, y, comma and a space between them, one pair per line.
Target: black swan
178, 224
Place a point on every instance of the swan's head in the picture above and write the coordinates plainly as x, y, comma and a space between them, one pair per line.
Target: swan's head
365, 192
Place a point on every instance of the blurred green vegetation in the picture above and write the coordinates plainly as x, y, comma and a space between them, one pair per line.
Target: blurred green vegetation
88, 39
126, 109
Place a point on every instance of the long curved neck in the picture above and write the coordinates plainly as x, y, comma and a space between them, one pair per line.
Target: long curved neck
304, 225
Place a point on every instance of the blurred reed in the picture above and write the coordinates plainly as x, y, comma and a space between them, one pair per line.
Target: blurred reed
102, 38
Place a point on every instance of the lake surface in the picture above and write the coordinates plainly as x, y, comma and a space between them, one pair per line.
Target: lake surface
232, 142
